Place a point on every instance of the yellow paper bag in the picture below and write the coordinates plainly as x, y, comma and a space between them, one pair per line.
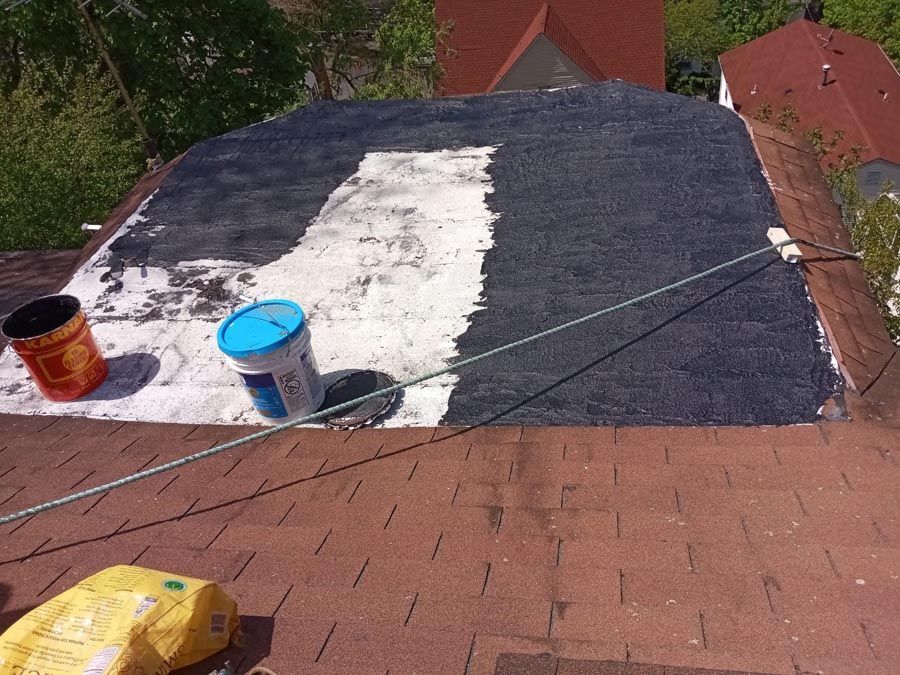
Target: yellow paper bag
122, 620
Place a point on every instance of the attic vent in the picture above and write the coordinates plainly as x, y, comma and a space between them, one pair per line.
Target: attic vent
788, 91
883, 94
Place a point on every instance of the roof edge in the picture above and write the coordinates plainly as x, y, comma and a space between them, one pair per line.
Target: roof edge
145, 186
837, 285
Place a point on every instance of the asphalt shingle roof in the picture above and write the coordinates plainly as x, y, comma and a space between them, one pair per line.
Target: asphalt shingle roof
481, 550
784, 68
505, 549
847, 307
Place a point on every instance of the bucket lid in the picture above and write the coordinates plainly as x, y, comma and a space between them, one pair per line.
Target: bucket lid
261, 328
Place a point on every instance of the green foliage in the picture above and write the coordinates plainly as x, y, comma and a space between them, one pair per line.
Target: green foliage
43, 39
406, 40
406, 36
334, 36
877, 20
745, 20
62, 165
202, 70
840, 165
787, 119
874, 225
699, 85
194, 69
875, 230
823, 146
694, 31
69, 151
763, 112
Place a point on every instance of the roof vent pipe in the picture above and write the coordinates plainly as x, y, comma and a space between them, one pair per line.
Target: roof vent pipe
825, 70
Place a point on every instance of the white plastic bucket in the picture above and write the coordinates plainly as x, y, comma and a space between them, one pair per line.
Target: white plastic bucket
269, 345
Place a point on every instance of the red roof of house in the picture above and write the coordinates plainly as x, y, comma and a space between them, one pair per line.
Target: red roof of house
605, 39
785, 67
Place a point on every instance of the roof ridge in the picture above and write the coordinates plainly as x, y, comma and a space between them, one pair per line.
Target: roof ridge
535, 28
575, 50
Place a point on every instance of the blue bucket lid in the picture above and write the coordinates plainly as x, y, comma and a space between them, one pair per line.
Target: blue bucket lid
261, 328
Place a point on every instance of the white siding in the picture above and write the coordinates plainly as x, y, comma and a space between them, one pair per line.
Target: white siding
543, 65
724, 94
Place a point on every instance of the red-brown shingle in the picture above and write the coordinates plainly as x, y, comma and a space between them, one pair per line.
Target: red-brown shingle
849, 316
728, 548
606, 39
784, 68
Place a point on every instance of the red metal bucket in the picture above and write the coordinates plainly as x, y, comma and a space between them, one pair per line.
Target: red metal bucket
53, 339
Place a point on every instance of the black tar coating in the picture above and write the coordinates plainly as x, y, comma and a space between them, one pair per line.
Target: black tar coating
603, 193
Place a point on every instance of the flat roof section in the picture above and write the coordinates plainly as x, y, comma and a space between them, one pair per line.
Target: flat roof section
416, 233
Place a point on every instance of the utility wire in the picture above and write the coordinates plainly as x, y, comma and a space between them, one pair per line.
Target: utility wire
146, 473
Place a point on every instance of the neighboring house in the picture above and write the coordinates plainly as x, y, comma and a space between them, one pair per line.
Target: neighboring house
497, 45
833, 80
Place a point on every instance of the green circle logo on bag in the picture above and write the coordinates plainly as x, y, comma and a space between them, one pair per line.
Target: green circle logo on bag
174, 585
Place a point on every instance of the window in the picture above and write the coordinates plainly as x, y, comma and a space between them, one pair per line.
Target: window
873, 177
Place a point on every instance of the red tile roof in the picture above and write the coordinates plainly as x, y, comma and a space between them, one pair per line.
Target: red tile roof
790, 59
605, 39
490, 550
846, 305
25, 275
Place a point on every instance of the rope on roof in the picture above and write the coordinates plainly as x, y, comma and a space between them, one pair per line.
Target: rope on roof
147, 473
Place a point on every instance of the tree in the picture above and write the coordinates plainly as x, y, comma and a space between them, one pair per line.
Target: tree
44, 40
694, 31
693, 35
390, 55
745, 20
406, 41
64, 165
194, 69
335, 36
840, 164
877, 20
